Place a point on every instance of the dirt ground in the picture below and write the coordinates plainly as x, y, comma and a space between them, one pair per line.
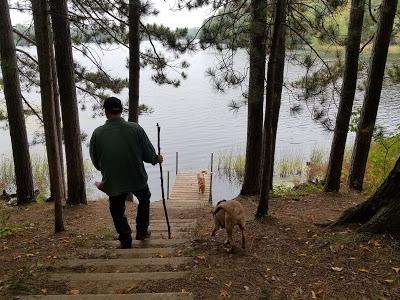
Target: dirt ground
287, 256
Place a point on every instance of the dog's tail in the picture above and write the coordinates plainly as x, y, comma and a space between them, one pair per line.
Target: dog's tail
220, 205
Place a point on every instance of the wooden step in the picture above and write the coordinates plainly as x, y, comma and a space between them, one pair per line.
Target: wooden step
125, 262
128, 253
173, 221
109, 277
163, 227
151, 243
143, 296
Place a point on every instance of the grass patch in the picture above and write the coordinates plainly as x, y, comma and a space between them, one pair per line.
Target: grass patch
299, 190
23, 284
308, 176
383, 154
40, 173
192, 252
291, 165
266, 293
231, 165
7, 231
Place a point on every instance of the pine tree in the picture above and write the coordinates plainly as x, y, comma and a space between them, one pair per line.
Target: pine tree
372, 95
332, 182
251, 182
69, 105
134, 59
15, 112
42, 34
276, 66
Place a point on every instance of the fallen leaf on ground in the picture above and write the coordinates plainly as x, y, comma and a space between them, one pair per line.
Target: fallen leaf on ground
184, 291
201, 257
363, 270
44, 291
73, 292
228, 284
397, 270
209, 278
389, 280
120, 291
131, 289
223, 294
162, 255
375, 243
313, 295
337, 269
246, 288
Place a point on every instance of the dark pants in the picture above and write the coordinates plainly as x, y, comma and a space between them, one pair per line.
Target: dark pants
117, 209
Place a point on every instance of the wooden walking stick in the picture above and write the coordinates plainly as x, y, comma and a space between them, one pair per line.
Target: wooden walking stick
162, 184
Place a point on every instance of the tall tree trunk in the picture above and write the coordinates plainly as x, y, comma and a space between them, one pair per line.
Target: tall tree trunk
349, 86
380, 213
69, 104
372, 94
134, 59
276, 66
15, 111
278, 94
41, 22
251, 180
57, 112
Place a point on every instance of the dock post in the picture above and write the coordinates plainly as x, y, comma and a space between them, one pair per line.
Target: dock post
168, 185
176, 163
211, 177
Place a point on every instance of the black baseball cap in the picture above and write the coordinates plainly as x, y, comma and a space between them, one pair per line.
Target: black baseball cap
112, 105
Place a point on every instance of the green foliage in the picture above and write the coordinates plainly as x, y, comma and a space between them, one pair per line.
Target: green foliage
317, 156
40, 172
296, 191
266, 293
7, 176
394, 73
355, 119
291, 165
7, 231
384, 152
318, 85
229, 31
3, 115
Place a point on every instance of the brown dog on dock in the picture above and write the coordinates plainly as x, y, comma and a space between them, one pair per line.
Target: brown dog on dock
201, 181
227, 214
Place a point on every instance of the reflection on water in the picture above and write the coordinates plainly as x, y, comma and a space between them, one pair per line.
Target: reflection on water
196, 121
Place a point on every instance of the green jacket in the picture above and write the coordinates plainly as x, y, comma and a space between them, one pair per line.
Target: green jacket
118, 150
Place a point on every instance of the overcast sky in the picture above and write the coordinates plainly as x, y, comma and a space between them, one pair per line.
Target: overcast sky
167, 15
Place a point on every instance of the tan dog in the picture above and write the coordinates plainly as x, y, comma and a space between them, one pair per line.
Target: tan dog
201, 181
227, 214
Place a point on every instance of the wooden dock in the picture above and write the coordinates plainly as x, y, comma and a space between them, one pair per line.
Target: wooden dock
185, 193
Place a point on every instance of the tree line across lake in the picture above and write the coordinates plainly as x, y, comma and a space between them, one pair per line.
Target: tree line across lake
267, 29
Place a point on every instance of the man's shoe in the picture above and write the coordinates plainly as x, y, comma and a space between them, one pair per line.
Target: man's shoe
143, 236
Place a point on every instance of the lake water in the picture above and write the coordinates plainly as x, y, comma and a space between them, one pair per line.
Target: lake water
195, 120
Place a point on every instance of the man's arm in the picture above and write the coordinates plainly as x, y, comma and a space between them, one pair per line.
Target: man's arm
92, 151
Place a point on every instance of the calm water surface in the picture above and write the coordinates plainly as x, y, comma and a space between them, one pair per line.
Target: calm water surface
195, 121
